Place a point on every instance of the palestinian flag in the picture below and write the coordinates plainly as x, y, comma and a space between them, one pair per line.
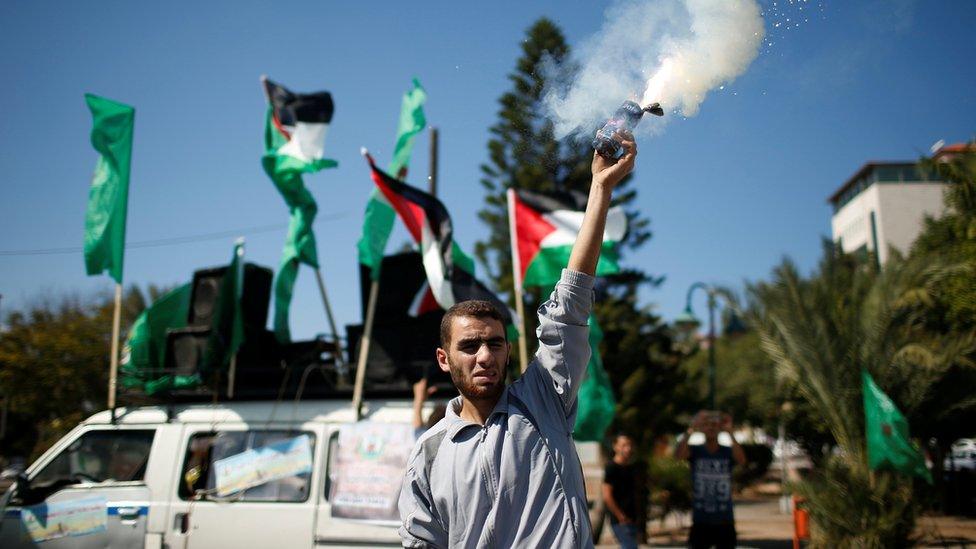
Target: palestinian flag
294, 136
546, 226
449, 270
301, 120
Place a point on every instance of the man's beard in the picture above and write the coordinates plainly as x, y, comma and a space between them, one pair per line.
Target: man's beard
474, 392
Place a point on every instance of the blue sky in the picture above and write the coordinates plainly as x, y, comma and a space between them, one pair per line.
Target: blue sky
729, 192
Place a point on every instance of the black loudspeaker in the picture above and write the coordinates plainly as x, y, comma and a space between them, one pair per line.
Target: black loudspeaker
206, 291
402, 346
401, 353
185, 348
401, 279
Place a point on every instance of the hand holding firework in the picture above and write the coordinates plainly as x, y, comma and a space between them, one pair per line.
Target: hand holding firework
624, 120
610, 171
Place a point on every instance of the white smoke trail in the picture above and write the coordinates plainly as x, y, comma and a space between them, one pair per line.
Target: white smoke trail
669, 51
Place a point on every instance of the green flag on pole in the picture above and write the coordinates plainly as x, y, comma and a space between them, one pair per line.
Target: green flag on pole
412, 121
596, 403
144, 353
227, 327
294, 138
378, 222
888, 441
108, 197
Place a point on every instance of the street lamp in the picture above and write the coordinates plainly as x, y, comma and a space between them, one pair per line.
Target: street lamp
688, 322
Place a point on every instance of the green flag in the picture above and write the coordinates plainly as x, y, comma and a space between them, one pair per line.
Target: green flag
888, 441
111, 136
596, 403
294, 138
412, 121
378, 222
144, 353
227, 327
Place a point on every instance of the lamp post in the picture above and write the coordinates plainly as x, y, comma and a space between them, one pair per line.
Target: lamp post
687, 321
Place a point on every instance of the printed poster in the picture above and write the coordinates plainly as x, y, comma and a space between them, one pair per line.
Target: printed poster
79, 517
367, 469
257, 466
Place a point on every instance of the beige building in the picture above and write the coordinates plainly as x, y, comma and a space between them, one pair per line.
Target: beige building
883, 205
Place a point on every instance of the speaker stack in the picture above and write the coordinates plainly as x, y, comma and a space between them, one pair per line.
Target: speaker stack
403, 343
186, 347
402, 349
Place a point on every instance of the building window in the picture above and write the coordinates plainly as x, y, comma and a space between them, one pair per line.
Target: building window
887, 173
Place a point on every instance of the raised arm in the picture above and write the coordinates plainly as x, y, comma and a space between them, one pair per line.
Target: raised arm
606, 175
683, 452
563, 333
738, 454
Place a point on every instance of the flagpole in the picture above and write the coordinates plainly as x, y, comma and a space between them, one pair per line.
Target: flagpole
113, 372
357, 392
432, 180
328, 313
231, 376
374, 288
364, 340
517, 280
239, 287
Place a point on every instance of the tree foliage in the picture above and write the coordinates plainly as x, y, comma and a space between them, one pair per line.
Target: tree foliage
953, 237
746, 381
524, 153
820, 331
54, 365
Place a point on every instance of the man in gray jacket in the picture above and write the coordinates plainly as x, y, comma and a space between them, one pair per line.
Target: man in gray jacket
501, 470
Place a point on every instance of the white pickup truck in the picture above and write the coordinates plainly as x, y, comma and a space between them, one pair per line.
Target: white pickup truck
149, 480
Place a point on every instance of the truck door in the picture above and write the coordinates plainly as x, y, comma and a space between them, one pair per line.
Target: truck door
243, 487
364, 470
90, 494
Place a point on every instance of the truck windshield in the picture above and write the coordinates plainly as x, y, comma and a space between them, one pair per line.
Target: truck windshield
99, 456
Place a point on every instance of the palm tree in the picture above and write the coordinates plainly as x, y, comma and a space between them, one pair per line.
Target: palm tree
820, 332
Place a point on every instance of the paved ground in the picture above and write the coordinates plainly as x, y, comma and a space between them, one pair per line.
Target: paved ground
761, 525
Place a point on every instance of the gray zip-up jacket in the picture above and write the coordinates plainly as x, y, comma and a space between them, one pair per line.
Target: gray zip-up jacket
517, 480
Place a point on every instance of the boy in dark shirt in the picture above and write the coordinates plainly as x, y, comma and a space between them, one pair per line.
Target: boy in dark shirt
713, 523
622, 489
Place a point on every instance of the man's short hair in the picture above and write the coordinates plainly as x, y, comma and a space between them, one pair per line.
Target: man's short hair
472, 308
622, 434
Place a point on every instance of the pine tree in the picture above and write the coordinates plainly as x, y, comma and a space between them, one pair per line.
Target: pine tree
524, 153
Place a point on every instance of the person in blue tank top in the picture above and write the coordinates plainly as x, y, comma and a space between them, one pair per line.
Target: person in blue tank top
713, 522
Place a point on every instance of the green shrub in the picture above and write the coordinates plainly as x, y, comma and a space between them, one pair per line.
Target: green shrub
670, 484
849, 509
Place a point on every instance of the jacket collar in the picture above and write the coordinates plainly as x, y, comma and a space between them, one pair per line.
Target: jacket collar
457, 424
